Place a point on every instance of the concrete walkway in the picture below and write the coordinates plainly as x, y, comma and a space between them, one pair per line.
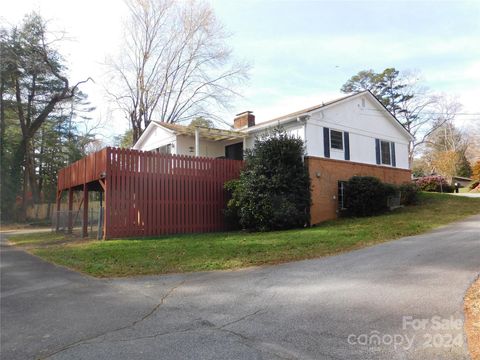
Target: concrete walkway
398, 300
469, 194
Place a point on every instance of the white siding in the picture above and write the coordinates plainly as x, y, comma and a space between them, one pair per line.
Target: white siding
362, 149
365, 121
401, 155
181, 144
157, 137
362, 116
294, 129
207, 148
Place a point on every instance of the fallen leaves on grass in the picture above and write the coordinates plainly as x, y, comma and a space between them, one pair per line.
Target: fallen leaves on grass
472, 319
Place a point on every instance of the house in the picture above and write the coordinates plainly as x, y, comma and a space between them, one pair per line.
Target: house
352, 135
461, 181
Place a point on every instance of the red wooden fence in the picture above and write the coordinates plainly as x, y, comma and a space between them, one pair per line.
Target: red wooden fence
151, 194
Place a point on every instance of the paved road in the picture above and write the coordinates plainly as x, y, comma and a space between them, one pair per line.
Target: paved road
316, 309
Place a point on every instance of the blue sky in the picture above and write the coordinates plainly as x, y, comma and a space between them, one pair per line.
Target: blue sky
304, 50
301, 52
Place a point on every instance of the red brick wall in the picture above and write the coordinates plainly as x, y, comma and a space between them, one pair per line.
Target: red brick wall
325, 174
245, 119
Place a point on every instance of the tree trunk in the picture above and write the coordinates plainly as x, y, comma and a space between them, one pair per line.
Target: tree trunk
30, 170
2, 118
40, 162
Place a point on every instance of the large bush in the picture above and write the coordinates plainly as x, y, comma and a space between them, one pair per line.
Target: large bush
273, 191
434, 184
366, 196
409, 193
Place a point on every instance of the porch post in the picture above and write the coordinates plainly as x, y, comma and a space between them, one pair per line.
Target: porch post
70, 210
85, 211
197, 141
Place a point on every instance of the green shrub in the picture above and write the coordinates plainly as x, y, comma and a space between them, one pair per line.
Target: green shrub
434, 183
409, 193
273, 191
231, 212
366, 196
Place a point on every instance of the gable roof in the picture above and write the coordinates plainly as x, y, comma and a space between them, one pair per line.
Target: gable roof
308, 111
222, 134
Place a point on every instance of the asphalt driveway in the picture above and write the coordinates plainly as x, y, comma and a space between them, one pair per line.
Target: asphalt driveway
398, 300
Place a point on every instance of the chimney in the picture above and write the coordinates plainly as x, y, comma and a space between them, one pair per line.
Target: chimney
244, 120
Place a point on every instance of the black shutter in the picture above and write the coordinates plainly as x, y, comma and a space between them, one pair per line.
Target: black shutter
346, 140
394, 162
326, 142
377, 150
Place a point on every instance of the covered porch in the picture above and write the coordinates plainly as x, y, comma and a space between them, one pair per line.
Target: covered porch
197, 141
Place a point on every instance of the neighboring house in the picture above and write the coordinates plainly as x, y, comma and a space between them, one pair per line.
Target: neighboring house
353, 135
462, 181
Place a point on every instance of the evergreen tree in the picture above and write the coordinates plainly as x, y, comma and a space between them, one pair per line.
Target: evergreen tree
37, 104
273, 191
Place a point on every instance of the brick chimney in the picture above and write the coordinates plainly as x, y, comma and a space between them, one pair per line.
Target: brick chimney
243, 120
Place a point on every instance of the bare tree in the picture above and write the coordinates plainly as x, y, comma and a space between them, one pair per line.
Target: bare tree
174, 64
423, 113
473, 151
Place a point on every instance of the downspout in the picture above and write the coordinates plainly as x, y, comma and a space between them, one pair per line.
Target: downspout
197, 141
300, 119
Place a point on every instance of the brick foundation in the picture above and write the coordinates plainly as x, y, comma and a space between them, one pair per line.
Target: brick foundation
325, 174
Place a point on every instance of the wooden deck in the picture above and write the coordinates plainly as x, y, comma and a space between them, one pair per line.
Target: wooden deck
89, 169
149, 194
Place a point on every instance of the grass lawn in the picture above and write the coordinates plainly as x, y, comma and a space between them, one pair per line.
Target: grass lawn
181, 253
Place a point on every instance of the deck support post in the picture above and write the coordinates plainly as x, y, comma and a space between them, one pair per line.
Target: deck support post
85, 211
70, 210
59, 201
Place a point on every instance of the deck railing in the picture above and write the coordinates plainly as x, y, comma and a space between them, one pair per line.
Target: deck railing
150, 194
85, 170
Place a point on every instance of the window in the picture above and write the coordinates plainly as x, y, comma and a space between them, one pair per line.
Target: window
385, 152
165, 149
234, 151
336, 139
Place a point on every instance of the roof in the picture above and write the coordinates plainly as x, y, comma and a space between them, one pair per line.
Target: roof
226, 135
462, 178
295, 114
205, 132
307, 110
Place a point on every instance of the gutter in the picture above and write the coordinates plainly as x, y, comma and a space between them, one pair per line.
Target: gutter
302, 117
